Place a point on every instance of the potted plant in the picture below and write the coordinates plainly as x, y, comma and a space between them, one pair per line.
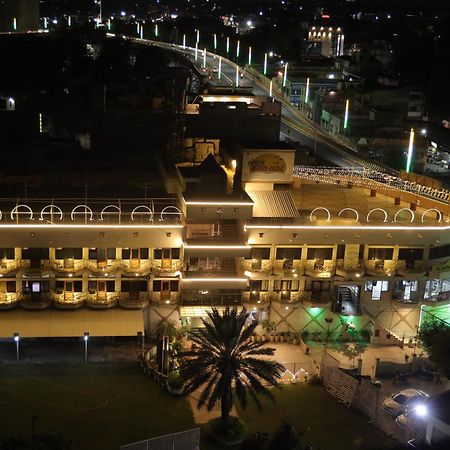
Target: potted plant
175, 383
295, 338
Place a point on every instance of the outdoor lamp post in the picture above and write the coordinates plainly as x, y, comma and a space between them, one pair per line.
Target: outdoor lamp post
86, 339
249, 56
238, 46
184, 41
265, 64
204, 58
220, 68
228, 45
17, 340
285, 75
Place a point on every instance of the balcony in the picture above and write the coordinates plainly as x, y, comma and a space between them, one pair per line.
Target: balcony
165, 297
263, 266
256, 297
102, 266
411, 268
215, 297
101, 299
68, 300
166, 267
35, 300
312, 298
380, 267
136, 266
8, 266
288, 296
350, 271
34, 265
8, 300
67, 266
320, 268
134, 300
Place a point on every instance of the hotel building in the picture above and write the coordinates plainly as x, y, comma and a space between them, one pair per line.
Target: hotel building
293, 245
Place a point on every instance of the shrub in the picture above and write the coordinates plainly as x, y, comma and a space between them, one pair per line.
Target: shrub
174, 380
229, 432
314, 380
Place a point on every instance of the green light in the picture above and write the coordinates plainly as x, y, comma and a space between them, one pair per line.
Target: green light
410, 150
265, 64
346, 114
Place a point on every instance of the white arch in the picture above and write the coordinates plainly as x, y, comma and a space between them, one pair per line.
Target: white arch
320, 208
432, 209
135, 210
176, 212
51, 207
352, 210
377, 209
86, 209
405, 209
104, 210
16, 208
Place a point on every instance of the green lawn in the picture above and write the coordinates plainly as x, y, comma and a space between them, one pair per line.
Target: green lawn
101, 406
326, 422
97, 406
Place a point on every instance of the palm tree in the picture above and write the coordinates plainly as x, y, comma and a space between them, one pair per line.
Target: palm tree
224, 357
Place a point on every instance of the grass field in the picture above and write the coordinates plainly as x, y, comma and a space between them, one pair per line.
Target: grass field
101, 406
98, 406
326, 422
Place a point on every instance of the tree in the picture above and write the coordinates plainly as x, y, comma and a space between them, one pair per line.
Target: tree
435, 338
224, 357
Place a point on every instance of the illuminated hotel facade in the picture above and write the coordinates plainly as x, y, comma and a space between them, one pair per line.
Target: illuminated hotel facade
329, 41
292, 249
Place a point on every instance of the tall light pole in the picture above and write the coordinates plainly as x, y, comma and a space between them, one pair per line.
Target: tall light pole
285, 74
238, 45
265, 64
69, 21
138, 28
196, 51
14, 24
204, 58
250, 56
16, 340
410, 150
307, 91
109, 24
228, 45
45, 23
237, 76
220, 68
86, 339
142, 31
184, 41
347, 103
198, 36
270, 88
156, 30
215, 42
100, 15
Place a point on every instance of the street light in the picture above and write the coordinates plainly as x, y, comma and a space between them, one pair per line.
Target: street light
346, 114
249, 56
265, 64
220, 68
238, 44
307, 90
410, 150
215, 42
204, 58
16, 337
156, 30
285, 74
196, 51
237, 76
198, 36
228, 45
184, 41
270, 88
86, 339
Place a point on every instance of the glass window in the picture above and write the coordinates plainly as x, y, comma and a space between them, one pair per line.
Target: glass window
6, 253
260, 253
410, 254
111, 253
289, 253
381, 253
320, 253
340, 251
259, 285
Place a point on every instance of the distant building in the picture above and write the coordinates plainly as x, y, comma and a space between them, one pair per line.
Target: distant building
326, 41
19, 15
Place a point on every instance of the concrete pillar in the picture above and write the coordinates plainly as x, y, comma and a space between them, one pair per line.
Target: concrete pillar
359, 365
375, 367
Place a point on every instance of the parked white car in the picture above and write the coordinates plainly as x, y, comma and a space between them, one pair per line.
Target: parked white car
399, 402
411, 419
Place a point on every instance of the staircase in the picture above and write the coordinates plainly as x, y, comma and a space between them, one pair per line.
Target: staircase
229, 230
396, 340
346, 295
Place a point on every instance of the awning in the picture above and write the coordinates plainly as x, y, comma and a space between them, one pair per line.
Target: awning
273, 204
54, 323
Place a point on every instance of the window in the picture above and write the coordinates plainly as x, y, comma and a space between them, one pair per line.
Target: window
260, 253
405, 290
381, 253
108, 286
377, 287
35, 253
437, 290
10, 286
166, 253
69, 253
135, 253
133, 286
100, 254
165, 285
289, 253
259, 285
285, 285
320, 253
440, 252
7, 253
361, 252
410, 254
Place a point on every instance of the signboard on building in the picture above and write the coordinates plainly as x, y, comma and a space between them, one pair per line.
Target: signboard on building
441, 270
274, 166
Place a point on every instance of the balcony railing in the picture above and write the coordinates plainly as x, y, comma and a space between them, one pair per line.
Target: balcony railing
383, 267
138, 266
100, 300
405, 268
346, 269
134, 300
67, 265
320, 268
159, 266
102, 266
7, 266
65, 299
223, 299
9, 300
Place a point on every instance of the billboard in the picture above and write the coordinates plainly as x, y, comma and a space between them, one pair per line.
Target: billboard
274, 166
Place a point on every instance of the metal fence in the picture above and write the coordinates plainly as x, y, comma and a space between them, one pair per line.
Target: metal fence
185, 440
